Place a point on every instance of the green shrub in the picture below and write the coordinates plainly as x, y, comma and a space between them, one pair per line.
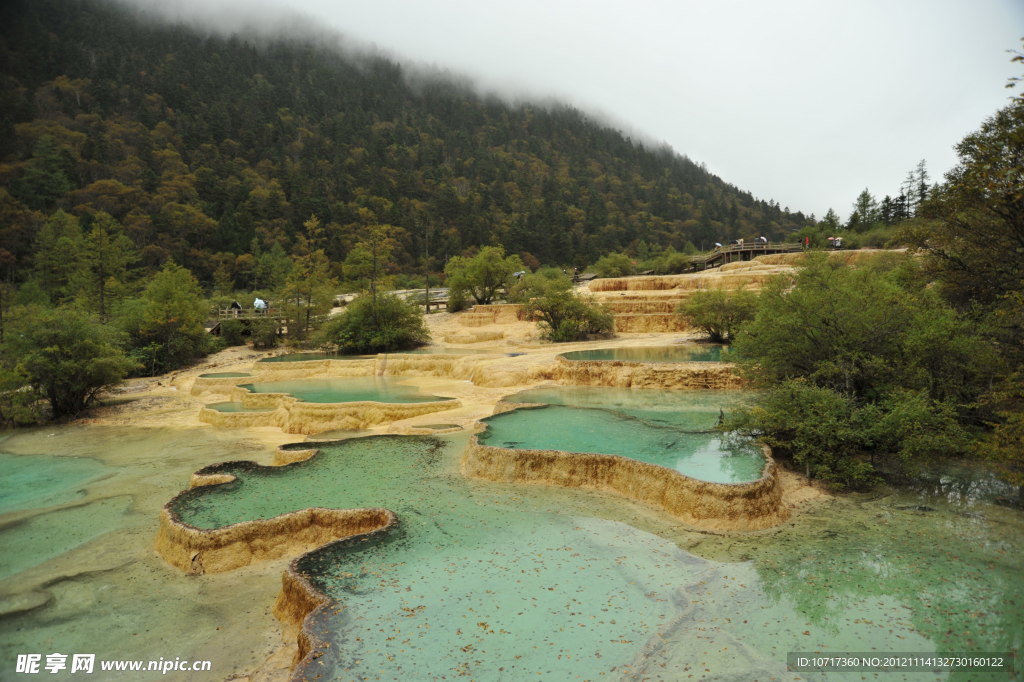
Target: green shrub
20, 403
457, 300
483, 275
166, 325
265, 333
538, 284
614, 265
817, 430
232, 332
867, 371
835, 438
65, 356
376, 325
718, 313
671, 262
405, 280
564, 316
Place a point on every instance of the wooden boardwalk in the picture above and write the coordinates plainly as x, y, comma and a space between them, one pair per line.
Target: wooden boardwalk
246, 316
740, 252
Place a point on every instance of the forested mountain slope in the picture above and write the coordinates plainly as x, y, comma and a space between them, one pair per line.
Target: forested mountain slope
205, 148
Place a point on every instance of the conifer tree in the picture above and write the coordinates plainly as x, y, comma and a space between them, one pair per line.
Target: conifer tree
104, 260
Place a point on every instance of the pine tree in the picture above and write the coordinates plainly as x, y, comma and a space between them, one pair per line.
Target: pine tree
105, 258
58, 251
865, 212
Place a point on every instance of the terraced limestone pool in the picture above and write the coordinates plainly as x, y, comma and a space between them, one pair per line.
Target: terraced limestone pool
438, 350
495, 581
306, 357
690, 352
225, 375
77, 568
430, 350
674, 429
234, 407
345, 390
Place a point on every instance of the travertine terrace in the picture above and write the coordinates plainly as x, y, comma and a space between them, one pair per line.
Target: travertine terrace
479, 382
714, 506
647, 304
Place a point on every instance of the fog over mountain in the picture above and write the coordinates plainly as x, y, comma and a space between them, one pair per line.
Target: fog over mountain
802, 102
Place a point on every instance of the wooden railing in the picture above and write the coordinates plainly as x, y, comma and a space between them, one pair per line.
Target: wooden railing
247, 313
729, 252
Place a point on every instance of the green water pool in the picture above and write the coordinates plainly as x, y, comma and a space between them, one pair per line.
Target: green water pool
432, 350
674, 429
346, 390
691, 352
477, 580
687, 410
704, 456
32, 481
45, 536
225, 375
494, 581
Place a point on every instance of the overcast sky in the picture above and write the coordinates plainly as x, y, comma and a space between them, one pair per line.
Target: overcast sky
806, 102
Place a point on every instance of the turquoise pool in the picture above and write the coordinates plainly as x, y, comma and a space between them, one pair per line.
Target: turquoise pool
674, 429
346, 390
691, 352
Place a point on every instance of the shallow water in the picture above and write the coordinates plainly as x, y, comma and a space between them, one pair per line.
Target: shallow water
939, 569
86, 561
480, 579
687, 410
674, 429
345, 390
224, 375
40, 480
503, 582
705, 456
691, 352
304, 357
35, 540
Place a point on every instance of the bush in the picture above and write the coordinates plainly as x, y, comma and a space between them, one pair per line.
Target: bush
232, 332
718, 313
66, 357
816, 429
20, 403
564, 316
482, 275
538, 284
864, 332
376, 325
457, 300
264, 332
167, 324
867, 372
614, 265
832, 437
672, 262
412, 281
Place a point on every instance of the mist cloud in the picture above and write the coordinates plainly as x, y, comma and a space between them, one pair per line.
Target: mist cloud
799, 101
